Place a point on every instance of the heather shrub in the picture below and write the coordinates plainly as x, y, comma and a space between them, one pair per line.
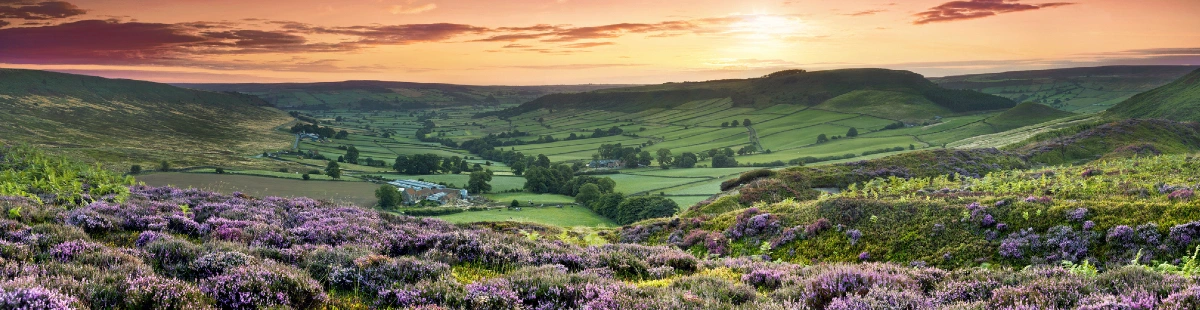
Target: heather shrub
714, 288
491, 294
158, 293
376, 272
262, 286
217, 263
173, 257
321, 261
772, 191
35, 298
625, 265
552, 287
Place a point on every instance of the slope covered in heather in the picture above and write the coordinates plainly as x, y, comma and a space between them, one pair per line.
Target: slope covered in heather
886, 244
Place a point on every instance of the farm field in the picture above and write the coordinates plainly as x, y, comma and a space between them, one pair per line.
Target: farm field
357, 193
567, 216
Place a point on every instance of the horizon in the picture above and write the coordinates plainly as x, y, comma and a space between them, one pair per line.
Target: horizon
562, 42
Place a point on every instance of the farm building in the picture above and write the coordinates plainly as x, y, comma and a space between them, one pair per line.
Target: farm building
606, 164
414, 191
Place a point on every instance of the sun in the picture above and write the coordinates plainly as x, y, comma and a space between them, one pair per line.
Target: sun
767, 27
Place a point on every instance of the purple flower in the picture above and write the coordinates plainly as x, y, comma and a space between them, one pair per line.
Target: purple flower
854, 235
1077, 215
36, 298
864, 256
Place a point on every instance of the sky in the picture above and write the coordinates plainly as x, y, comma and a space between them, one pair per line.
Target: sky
541, 42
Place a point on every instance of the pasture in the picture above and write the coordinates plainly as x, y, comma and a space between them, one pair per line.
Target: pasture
357, 193
567, 216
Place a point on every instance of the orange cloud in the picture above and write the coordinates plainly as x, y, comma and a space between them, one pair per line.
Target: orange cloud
972, 9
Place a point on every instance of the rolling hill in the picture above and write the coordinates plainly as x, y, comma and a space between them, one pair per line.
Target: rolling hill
125, 121
1179, 100
384, 95
1080, 90
849, 90
1025, 114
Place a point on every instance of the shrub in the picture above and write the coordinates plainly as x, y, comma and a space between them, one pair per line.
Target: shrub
158, 293
35, 298
263, 286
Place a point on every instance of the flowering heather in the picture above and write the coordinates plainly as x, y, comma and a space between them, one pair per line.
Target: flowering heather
269, 285
1077, 214
817, 227
36, 298
752, 223
1181, 194
854, 235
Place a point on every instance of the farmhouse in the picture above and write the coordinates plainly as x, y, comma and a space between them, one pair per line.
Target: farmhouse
414, 191
606, 164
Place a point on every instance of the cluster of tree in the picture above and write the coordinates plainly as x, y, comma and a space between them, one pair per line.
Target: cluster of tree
735, 123
884, 150
613, 131
809, 159
432, 164
561, 179
633, 157
777, 163
389, 196
324, 132
304, 117
622, 210
896, 125
747, 150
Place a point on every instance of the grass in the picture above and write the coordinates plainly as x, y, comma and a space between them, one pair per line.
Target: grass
537, 199
567, 216
1178, 100
357, 193
124, 122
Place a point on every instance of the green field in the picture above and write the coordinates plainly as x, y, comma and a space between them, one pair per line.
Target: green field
567, 216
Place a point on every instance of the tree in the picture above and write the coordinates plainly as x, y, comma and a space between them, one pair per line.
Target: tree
514, 204
644, 159
722, 161
630, 159
542, 161
333, 170
389, 196
911, 147
822, 138
853, 132
306, 177
135, 169
518, 168
164, 166
351, 155
735, 123
686, 160
478, 183
341, 135
664, 157
644, 207
588, 193
607, 205
725, 124
220, 170
746, 122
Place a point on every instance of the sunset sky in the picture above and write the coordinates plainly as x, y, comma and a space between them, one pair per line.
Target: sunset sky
526, 42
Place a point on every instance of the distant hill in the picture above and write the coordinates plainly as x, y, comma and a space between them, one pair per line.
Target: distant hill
126, 121
1179, 100
1025, 114
384, 95
1080, 90
864, 90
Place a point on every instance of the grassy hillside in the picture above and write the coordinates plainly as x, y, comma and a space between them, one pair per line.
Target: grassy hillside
1179, 100
1131, 137
124, 121
1025, 114
795, 87
384, 95
1080, 90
